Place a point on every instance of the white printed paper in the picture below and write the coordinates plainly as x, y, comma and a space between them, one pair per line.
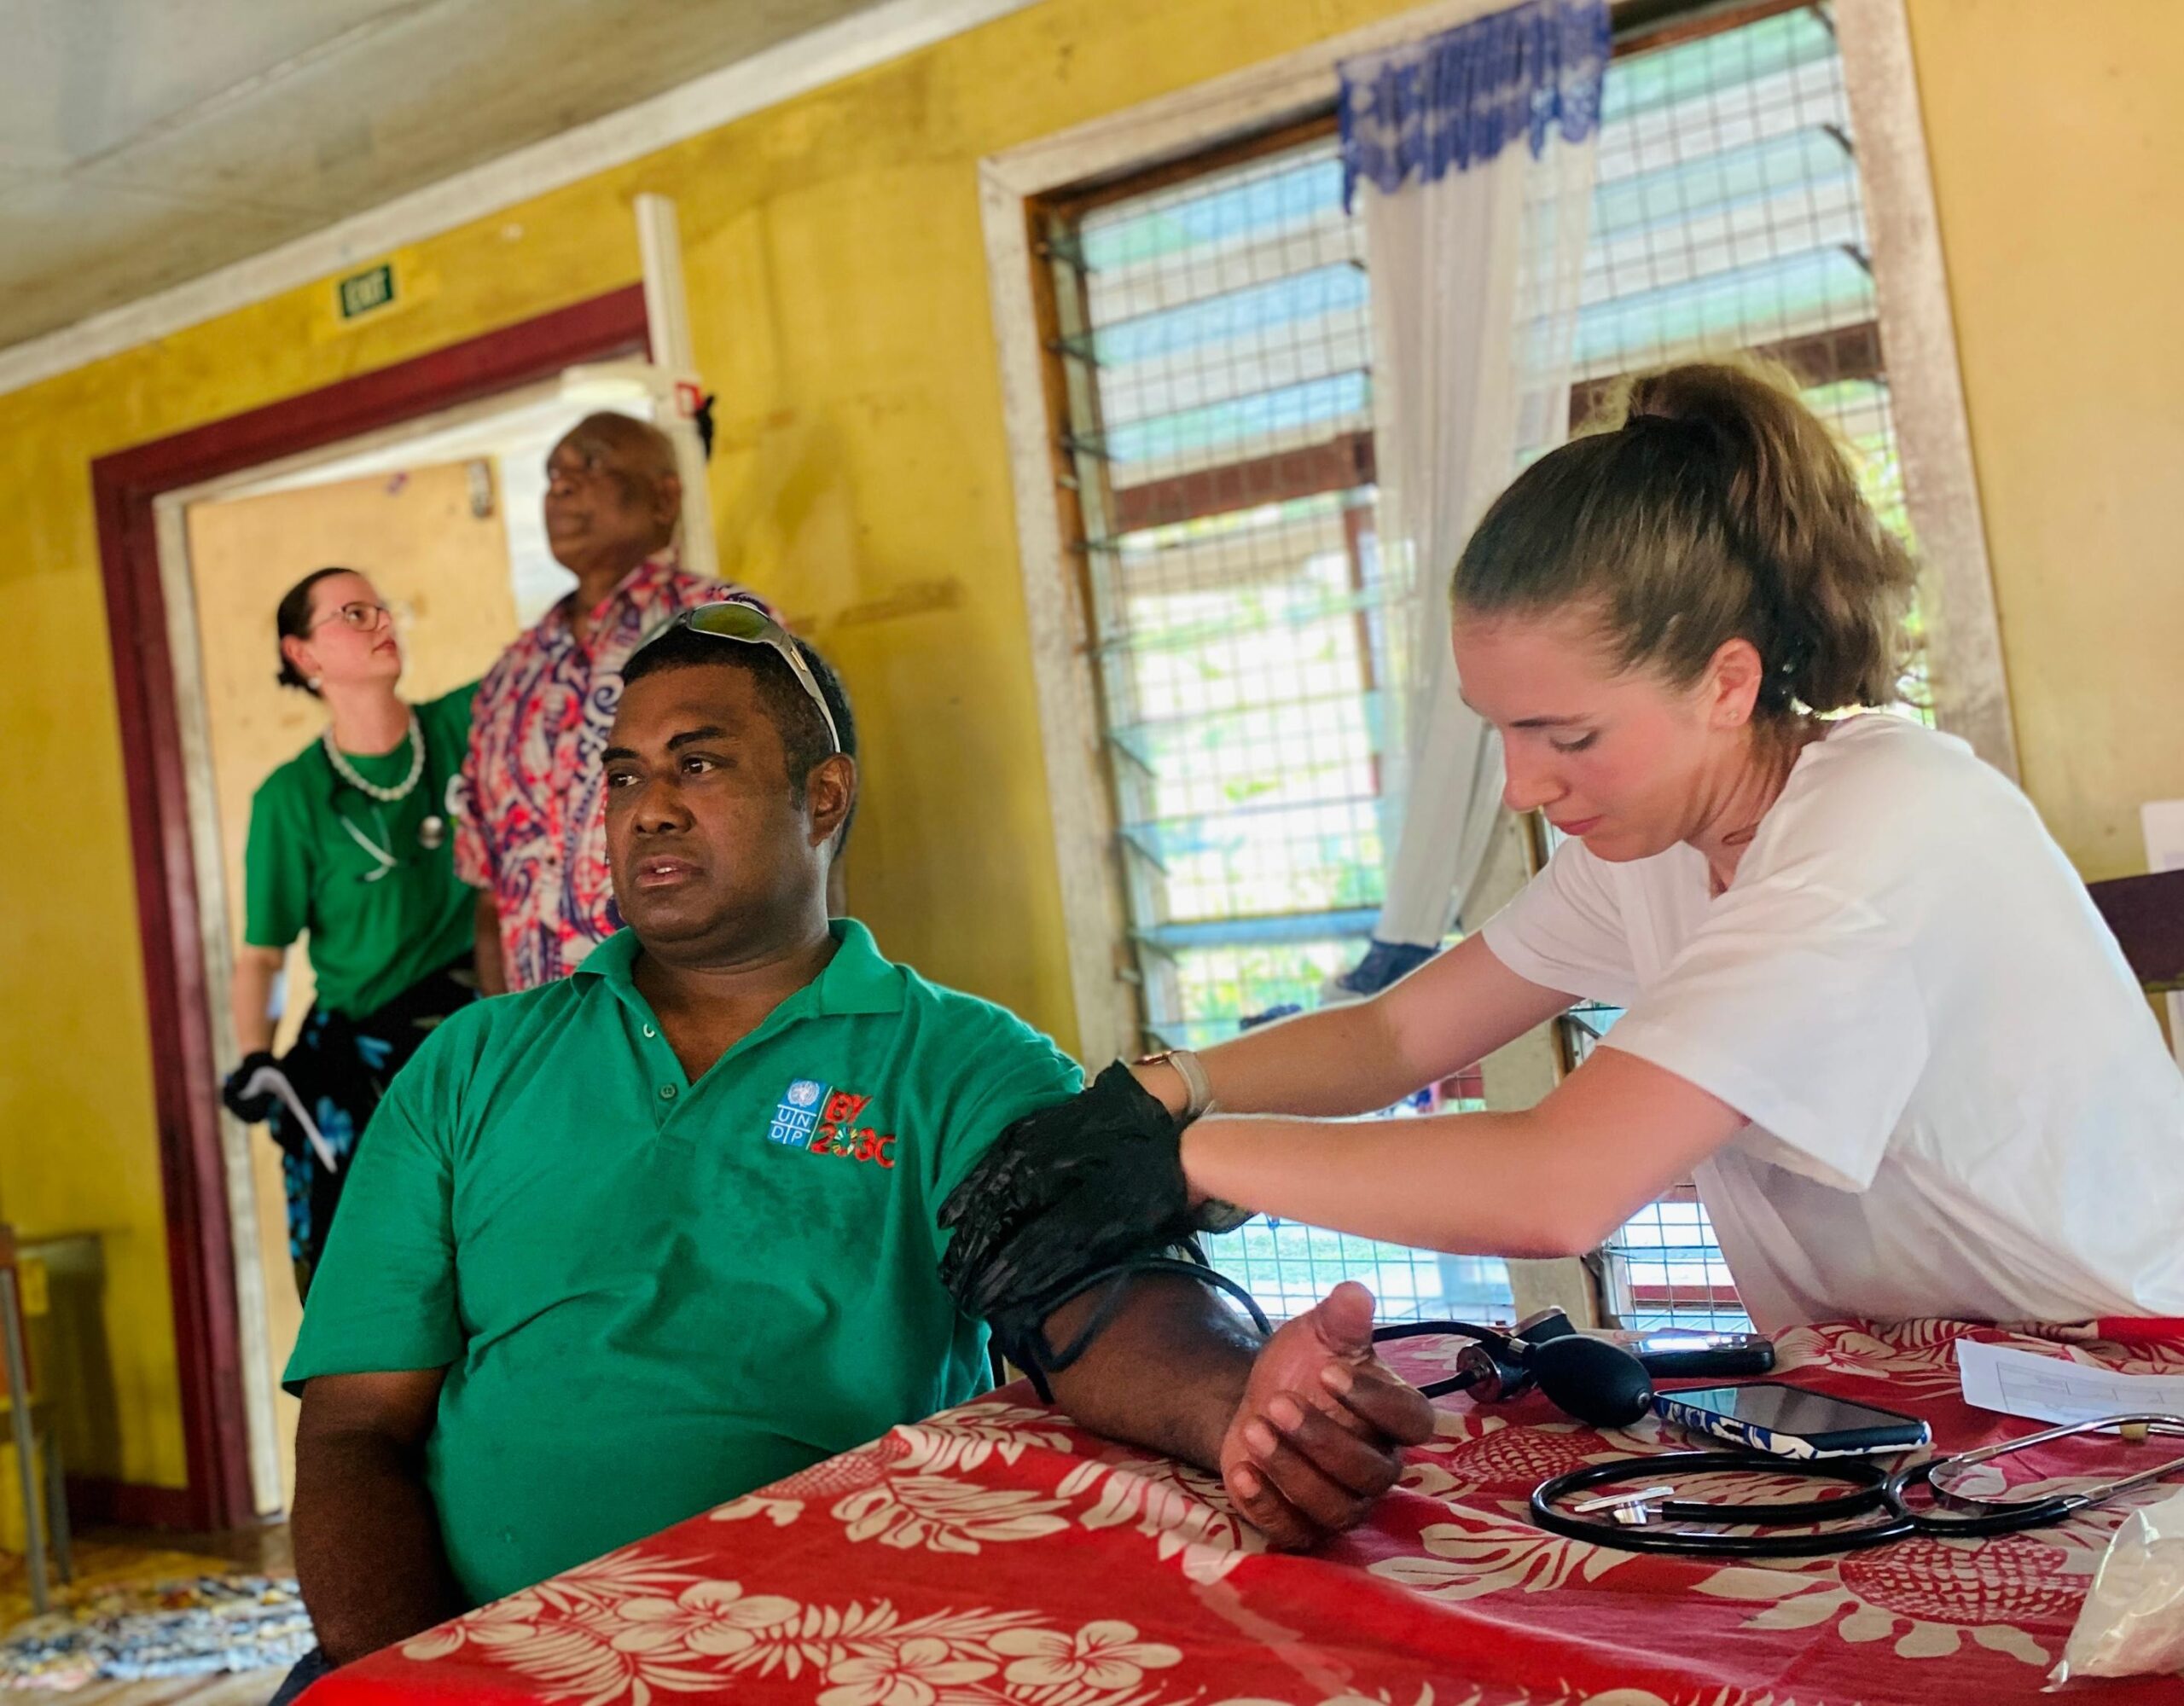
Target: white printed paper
2049, 1389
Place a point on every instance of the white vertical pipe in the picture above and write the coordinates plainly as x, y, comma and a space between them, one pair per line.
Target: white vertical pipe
667, 318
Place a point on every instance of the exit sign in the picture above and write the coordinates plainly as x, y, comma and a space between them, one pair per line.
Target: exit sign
365, 292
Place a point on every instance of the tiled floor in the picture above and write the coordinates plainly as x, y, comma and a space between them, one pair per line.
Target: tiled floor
113, 1558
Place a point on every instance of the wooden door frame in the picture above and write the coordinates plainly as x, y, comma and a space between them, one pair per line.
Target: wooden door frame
125, 487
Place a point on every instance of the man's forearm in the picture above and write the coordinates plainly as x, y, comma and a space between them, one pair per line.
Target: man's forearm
368, 1554
1305, 1429
1166, 1373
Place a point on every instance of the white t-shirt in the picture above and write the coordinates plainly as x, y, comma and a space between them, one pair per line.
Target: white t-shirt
1961, 1104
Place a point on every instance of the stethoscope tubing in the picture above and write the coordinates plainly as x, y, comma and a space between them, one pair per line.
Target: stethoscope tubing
1867, 1481
2002, 1517
1874, 1490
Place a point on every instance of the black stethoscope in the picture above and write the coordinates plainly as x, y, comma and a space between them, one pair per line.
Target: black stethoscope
1626, 1520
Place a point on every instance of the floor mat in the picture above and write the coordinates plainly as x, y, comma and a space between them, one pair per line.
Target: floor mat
189, 1627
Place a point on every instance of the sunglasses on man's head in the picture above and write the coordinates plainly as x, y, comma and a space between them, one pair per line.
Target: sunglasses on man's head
732, 620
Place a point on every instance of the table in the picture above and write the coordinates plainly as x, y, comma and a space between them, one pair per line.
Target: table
997, 1554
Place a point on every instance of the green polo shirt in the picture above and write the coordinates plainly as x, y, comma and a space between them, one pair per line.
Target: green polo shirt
652, 1295
375, 929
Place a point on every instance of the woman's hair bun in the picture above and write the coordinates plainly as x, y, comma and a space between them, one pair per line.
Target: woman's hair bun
1706, 503
292, 621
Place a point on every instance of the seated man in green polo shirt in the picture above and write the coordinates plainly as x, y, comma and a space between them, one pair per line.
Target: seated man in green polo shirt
619, 1248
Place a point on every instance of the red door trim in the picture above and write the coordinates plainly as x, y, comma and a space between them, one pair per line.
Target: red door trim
201, 1261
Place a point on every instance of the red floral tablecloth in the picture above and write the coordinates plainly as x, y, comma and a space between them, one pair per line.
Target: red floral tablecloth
996, 1554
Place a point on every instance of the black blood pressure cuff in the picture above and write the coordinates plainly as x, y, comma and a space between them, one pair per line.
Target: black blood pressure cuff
1074, 1187
1085, 1193
1019, 1325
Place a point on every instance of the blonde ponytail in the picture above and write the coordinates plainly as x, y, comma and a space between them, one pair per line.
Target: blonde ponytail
1712, 505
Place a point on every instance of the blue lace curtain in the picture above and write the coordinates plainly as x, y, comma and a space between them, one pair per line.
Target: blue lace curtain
1457, 99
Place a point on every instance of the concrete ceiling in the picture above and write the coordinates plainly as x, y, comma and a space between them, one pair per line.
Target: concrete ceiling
145, 143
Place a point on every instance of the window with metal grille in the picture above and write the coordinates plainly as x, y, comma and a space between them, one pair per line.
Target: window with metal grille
1211, 331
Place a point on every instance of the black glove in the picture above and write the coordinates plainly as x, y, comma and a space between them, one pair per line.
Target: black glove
1068, 1191
250, 1110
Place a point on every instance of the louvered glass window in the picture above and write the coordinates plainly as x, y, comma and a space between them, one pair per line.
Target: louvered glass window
1215, 337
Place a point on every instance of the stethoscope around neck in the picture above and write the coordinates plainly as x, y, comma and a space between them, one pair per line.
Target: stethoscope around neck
430, 832
381, 854
1922, 1495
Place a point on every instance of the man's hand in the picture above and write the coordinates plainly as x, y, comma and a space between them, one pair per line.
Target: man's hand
1316, 1438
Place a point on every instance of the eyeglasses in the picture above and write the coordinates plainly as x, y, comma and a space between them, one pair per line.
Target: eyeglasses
362, 615
732, 620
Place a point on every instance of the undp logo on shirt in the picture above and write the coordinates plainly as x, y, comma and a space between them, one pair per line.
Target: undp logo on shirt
798, 1112
822, 1120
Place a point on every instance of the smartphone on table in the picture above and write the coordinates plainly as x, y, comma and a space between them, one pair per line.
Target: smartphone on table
1789, 1421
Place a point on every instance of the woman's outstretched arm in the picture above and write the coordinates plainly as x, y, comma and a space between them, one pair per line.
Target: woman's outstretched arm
1363, 1056
1555, 1180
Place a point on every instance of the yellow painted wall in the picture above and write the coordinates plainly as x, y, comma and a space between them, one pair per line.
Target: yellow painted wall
837, 284
838, 292
2057, 143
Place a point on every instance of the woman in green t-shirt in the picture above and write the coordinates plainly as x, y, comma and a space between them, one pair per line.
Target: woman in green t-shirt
348, 844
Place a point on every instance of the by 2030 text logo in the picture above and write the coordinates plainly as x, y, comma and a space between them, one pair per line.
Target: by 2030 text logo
813, 1116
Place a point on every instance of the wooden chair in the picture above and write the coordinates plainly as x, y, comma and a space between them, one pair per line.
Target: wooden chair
38, 1451
2147, 915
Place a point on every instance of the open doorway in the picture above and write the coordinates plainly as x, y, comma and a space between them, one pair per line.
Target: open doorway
445, 516
433, 449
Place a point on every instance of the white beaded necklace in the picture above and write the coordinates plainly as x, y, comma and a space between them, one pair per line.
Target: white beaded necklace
403, 789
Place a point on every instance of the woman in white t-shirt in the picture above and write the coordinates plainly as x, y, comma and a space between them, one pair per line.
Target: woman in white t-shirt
1870, 1008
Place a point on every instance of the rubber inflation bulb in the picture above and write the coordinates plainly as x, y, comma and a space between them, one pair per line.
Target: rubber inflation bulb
1593, 1380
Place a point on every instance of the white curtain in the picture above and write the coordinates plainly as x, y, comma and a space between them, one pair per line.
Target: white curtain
1472, 151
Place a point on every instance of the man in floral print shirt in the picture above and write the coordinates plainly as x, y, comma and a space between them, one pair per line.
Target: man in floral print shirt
529, 832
